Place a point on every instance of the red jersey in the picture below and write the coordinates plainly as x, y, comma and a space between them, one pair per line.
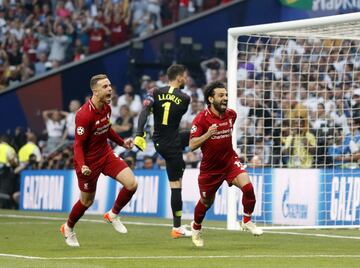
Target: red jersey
93, 128
96, 40
118, 32
218, 152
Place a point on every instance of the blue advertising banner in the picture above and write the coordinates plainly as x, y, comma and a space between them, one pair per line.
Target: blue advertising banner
57, 191
44, 190
150, 197
284, 196
339, 197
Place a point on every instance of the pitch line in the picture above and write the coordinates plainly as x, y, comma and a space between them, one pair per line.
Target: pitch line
316, 235
15, 256
169, 225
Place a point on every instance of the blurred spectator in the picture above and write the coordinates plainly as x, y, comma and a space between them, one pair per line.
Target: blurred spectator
260, 155
55, 126
130, 159
59, 42
41, 64
69, 132
192, 158
339, 116
162, 79
26, 68
154, 13
19, 138
115, 108
148, 162
337, 150
300, 145
8, 161
188, 117
119, 29
193, 90
211, 69
124, 123
29, 149
131, 99
8, 157
98, 33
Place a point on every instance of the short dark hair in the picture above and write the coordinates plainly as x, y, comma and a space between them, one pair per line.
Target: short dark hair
174, 70
209, 90
96, 78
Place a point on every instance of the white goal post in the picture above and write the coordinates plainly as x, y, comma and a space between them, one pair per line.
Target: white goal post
301, 80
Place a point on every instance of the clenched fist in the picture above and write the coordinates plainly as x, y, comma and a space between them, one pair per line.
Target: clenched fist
85, 170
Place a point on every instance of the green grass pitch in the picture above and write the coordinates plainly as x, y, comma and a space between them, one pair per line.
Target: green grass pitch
32, 239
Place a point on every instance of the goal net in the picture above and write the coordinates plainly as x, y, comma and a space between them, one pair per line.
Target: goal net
296, 88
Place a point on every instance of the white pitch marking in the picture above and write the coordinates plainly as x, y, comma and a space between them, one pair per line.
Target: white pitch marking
169, 225
178, 257
25, 223
316, 235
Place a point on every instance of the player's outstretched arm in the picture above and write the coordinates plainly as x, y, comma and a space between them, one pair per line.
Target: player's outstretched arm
112, 135
196, 142
139, 140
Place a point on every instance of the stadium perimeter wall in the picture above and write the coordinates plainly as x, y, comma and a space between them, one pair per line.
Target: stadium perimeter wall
284, 196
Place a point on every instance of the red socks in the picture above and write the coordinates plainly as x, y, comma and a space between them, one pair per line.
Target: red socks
248, 201
199, 215
122, 199
76, 213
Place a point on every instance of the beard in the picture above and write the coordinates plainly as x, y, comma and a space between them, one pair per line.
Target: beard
220, 106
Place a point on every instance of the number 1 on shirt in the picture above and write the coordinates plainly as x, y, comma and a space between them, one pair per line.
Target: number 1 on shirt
166, 106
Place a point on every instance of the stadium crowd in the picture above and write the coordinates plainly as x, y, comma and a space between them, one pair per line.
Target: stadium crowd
38, 36
299, 102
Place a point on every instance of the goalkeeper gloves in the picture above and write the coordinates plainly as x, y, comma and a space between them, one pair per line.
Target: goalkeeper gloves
140, 142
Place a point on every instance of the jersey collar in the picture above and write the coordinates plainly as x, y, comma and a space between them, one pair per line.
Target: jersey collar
215, 115
92, 106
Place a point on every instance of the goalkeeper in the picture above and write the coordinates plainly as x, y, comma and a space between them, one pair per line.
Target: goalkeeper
168, 104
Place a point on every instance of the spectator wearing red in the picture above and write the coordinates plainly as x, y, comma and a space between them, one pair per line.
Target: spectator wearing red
119, 30
61, 11
97, 36
183, 9
30, 44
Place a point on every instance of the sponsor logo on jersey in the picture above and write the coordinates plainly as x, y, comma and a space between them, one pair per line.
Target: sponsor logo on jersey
80, 131
102, 130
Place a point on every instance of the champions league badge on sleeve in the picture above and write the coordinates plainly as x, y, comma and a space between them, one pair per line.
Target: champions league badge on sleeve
80, 131
193, 129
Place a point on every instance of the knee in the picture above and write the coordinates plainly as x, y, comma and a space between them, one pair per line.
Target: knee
87, 202
207, 202
132, 186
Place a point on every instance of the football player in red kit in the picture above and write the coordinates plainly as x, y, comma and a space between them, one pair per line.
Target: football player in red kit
93, 155
212, 130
